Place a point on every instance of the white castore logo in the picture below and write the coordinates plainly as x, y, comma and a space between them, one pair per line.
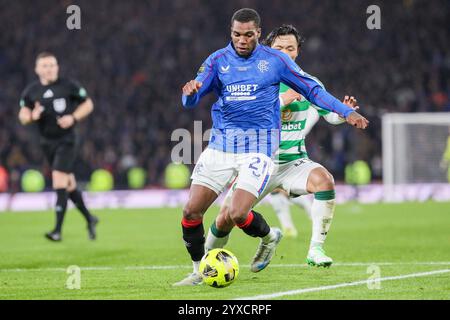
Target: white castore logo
225, 69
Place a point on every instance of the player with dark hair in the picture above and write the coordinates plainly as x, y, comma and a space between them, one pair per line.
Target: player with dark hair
245, 15
56, 105
245, 135
285, 30
295, 173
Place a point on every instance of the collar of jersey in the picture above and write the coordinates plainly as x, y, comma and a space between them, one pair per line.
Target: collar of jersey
51, 84
230, 48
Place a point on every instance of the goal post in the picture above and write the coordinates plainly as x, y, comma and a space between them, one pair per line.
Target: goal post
413, 145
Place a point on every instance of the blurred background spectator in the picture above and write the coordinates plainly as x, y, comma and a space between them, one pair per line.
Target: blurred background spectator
134, 56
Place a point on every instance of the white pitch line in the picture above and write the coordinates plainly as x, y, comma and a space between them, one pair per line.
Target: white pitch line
174, 267
341, 285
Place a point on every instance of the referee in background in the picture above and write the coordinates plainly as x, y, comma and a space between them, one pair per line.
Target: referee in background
56, 105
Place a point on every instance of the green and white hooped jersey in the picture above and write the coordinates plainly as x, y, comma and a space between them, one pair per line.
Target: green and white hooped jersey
297, 119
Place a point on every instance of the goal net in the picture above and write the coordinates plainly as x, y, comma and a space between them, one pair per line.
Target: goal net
413, 148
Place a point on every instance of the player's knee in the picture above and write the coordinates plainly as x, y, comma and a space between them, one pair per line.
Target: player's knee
192, 213
327, 183
320, 180
237, 216
238, 220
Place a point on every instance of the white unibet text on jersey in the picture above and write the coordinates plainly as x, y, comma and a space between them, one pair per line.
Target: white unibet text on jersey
293, 126
241, 89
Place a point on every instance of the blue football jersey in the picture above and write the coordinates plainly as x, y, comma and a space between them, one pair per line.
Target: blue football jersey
246, 116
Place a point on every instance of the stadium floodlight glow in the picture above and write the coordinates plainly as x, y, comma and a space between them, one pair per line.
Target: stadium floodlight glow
413, 146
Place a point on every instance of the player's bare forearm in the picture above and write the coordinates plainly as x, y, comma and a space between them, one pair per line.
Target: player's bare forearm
25, 116
83, 110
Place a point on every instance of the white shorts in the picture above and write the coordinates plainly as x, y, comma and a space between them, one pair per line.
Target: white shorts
216, 170
292, 177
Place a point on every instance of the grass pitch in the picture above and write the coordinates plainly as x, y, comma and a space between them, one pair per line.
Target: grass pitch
140, 253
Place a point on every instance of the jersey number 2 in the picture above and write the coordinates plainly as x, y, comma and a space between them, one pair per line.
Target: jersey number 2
257, 171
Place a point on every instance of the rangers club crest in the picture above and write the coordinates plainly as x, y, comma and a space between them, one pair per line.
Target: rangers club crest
263, 65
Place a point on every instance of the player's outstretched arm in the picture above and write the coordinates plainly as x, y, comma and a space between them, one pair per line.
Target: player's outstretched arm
312, 90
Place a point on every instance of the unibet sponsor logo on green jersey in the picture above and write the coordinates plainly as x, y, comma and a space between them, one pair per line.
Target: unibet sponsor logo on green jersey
293, 122
293, 125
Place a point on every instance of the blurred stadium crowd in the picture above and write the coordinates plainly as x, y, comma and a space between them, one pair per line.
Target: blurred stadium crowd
134, 56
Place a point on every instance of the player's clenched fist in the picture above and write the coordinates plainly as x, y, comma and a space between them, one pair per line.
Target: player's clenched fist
192, 87
357, 120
